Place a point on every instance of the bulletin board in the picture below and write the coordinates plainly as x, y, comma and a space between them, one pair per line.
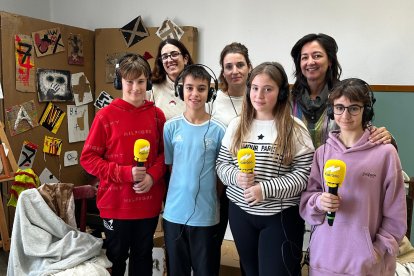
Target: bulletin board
11, 25
110, 42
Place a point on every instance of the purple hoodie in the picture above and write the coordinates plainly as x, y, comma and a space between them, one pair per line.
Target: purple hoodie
372, 215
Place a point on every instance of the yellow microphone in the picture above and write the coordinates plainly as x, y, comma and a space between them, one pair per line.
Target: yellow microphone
246, 160
334, 174
141, 151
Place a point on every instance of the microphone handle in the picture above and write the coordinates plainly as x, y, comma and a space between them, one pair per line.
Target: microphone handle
331, 215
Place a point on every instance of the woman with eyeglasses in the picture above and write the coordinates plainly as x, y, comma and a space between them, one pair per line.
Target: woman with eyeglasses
172, 57
370, 207
317, 70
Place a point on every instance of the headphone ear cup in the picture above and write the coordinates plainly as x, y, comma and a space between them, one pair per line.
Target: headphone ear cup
117, 81
179, 91
211, 94
149, 83
329, 112
368, 114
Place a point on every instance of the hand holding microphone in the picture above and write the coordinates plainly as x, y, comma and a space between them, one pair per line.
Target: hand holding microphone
143, 181
334, 174
247, 161
141, 151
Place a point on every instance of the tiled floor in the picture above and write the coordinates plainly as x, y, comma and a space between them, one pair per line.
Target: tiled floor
3, 262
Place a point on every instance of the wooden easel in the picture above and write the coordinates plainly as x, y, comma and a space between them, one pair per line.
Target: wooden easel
9, 167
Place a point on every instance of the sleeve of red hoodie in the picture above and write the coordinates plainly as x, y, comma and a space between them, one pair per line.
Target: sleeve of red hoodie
157, 168
394, 209
92, 156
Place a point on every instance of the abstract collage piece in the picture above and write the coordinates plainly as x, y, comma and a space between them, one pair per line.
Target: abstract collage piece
134, 32
52, 118
21, 117
27, 155
103, 100
47, 177
78, 123
169, 29
110, 63
54, 85
71, 158
48, 42
75, 49
25, 67
81, 89
52, 145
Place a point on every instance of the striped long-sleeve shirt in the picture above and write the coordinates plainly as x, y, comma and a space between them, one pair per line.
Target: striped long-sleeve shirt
281, 184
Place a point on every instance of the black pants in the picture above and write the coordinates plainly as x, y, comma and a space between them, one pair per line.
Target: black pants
190, 247
268, 245
131, 239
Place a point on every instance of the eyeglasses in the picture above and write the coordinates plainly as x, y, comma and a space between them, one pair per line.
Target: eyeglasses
172, 55
352, 109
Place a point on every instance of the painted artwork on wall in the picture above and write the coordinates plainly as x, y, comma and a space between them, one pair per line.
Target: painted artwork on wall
81, 89
78, 123
75, 49
47, 177
134, 32
27, 155
21, 117
48, 42
52, 117
103, 100
71, 158
169, 29
54, 85
52, 145
25, 66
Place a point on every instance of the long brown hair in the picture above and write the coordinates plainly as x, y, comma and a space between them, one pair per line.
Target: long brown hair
284, 122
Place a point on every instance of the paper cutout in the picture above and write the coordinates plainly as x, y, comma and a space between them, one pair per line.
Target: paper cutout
147, 56
52, 118
25, 68
134, 32
22, 117
81, 89
47, 177
78, 123
103, 100
54, 85
169, 29
71, 158
75, 49
48, 42
52, 145
27, 155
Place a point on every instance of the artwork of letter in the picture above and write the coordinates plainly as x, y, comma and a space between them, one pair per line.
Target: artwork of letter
78, 126
21, 117
75, 49
47, 177
54, 85
71, 158
48, 42
103, 100
27, 155
169, 29
81, 89
134, 32
25, 67
52, 145
52, 117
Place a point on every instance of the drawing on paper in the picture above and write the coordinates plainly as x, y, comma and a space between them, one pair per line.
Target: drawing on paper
25, 67
27, 155
54, 85
78, 123
103, 100
81, 89
52, 117
48, 42
134, 31
21, 117
75, 49
169, 29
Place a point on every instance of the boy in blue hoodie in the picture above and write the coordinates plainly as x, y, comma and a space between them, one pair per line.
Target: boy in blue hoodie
370, 209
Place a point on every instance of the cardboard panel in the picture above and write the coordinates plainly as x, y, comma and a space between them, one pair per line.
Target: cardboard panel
109, 42
11, 25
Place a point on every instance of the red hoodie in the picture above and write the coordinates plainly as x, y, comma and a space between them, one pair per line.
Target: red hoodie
108, 153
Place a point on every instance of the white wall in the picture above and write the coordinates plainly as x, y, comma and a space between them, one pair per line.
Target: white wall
375, 37
32, 8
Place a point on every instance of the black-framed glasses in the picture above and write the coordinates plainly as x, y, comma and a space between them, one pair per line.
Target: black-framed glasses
172, 55
354, 109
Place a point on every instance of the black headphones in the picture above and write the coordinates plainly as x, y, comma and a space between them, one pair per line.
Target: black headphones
212, 92
368, 112
118, 78
284, 87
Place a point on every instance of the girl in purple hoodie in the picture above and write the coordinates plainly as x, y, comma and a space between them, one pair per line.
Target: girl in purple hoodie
370, 206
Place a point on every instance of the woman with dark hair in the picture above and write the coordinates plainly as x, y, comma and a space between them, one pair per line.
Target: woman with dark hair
172, 57
317, 70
